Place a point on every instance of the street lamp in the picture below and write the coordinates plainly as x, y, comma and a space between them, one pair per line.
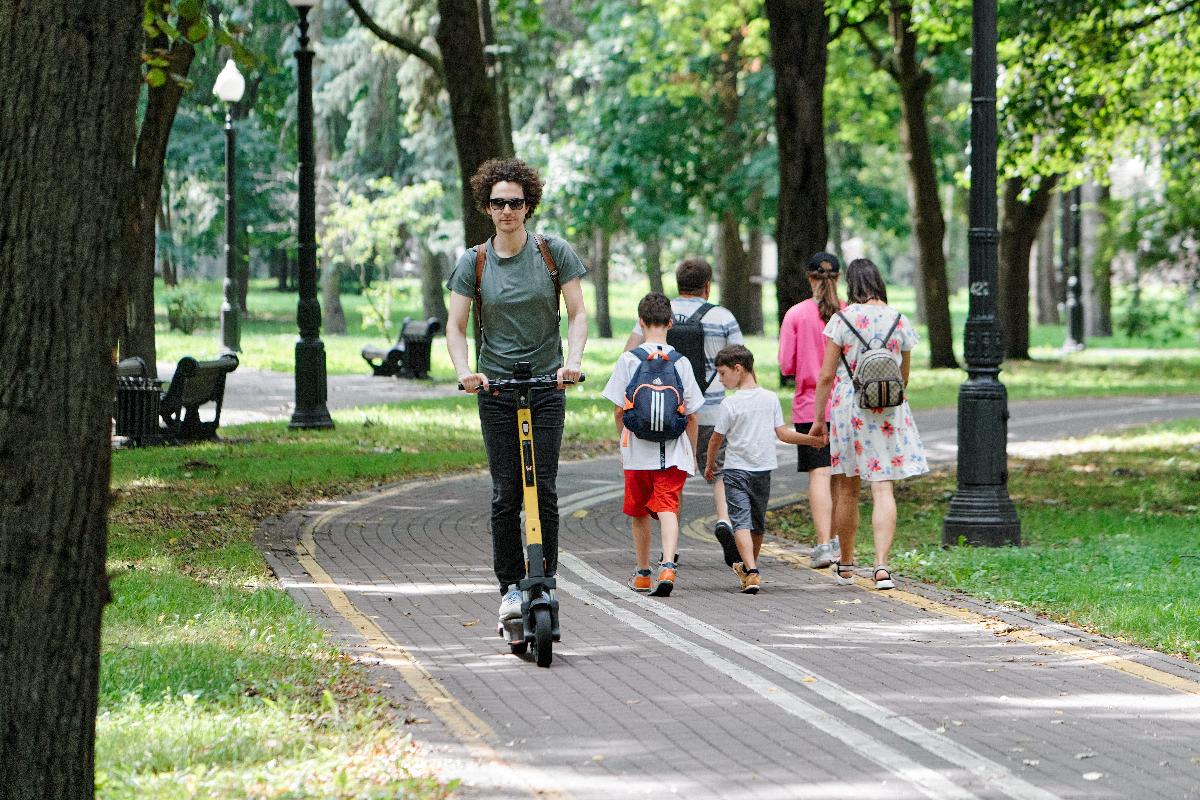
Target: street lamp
229, 88
1072, 254
981, 512
310, 409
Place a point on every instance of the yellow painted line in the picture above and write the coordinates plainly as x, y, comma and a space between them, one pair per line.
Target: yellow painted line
1001, 628
459, 720
699, 530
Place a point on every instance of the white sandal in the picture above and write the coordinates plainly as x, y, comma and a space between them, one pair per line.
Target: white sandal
840, 579
887, 582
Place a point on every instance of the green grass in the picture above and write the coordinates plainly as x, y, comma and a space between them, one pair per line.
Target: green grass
1109, 534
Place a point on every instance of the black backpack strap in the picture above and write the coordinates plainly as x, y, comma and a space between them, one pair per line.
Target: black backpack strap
891, 330
857, 335
701, 311
845, 363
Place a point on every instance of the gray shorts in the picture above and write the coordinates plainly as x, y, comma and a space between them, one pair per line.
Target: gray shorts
746, 495
705, 433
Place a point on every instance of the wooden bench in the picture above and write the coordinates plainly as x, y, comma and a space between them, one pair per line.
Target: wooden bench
195, 384
409, 357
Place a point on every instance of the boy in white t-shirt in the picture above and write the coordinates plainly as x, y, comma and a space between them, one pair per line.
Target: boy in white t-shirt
750, 422
654, 471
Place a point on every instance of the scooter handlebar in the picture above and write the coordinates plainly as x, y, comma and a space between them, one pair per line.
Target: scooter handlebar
537, 382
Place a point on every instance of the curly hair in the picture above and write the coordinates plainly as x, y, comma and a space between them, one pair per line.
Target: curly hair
513, 170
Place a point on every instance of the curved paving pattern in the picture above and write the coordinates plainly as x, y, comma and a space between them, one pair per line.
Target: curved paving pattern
807, 690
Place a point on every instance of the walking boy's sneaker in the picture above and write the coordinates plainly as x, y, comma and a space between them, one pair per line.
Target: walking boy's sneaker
640, 581
724, 533
666, 579
751, 581
510, 606
822, 555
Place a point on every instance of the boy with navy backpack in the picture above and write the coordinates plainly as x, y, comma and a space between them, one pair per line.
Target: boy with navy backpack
656, 398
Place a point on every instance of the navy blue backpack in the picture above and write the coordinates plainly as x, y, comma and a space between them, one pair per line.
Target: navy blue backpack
654, 405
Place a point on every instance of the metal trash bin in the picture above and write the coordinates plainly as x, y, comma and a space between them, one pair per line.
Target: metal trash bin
137, 409
418, 341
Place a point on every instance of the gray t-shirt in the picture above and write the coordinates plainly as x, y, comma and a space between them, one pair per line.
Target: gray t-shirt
520, 312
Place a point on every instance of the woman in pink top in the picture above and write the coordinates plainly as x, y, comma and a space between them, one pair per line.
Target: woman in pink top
801, 351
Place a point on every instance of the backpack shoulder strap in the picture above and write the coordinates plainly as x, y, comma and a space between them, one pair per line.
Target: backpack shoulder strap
857, 335
701, 311
891, 330
480, 262
548, 259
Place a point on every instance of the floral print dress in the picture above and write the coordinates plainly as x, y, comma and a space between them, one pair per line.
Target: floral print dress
876, 445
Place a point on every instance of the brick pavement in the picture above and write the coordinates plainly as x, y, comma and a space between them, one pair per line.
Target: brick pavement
805, 690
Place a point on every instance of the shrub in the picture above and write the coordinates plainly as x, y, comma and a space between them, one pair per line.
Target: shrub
185, 309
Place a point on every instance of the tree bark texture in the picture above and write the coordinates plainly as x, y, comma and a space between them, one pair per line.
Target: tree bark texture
799, 35
1020, 221
162, 103
602, 250
433, 301
1097, 266
1046, 297
474, 108
735, 270
929, 226
69, 79
654, 264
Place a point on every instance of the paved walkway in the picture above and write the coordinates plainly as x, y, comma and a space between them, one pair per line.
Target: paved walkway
807, 690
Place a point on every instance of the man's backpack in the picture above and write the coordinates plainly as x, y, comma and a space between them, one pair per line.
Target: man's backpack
654, 405
877, 379
687, 336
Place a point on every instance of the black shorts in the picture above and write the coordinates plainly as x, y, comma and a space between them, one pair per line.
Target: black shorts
810, 458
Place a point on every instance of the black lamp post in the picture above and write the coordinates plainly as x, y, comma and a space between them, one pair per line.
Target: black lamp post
1072, 267
310, 409
981, 512
229, 88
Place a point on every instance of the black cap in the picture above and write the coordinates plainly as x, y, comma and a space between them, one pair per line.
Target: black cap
818, 259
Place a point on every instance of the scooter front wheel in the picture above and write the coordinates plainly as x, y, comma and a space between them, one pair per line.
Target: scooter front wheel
543, 641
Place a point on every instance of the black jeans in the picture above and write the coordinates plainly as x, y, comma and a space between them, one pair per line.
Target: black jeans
498, 419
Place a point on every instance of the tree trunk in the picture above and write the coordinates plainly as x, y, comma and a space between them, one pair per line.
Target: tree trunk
1097, 266
474, 108
735, 271
602, 249
754, 259
433, 300
69, 81
1019, 225
495, 65
929, 225
137, 337
654, 264
799, 34
1046, 298
166, 263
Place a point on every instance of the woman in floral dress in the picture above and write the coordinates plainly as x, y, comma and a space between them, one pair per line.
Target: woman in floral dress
878, 445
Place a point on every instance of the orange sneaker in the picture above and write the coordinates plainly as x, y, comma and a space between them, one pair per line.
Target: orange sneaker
751, 581
640, 582
666, 579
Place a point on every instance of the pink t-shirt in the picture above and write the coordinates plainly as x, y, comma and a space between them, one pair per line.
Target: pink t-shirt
801, 351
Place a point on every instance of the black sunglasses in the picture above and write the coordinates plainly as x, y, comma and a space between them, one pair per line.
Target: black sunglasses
515, 203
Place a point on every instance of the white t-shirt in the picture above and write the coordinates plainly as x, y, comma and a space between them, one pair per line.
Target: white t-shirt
639, 454
748, 421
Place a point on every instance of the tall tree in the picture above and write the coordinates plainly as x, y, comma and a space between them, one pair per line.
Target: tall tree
479, 129
1020, 221
910, 63
799, 38
63, 201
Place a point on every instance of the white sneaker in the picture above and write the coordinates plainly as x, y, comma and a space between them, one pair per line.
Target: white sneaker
510, 606
822, 555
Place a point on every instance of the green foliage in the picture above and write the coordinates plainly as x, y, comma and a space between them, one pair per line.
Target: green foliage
185, 308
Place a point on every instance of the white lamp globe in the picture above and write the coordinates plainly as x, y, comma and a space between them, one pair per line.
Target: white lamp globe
230, 85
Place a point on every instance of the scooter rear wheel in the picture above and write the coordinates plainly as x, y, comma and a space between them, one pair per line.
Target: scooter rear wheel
543, 641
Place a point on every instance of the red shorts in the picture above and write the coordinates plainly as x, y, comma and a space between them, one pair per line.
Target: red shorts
650, 491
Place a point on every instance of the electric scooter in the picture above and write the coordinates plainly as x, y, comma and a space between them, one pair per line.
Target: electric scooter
537, 627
